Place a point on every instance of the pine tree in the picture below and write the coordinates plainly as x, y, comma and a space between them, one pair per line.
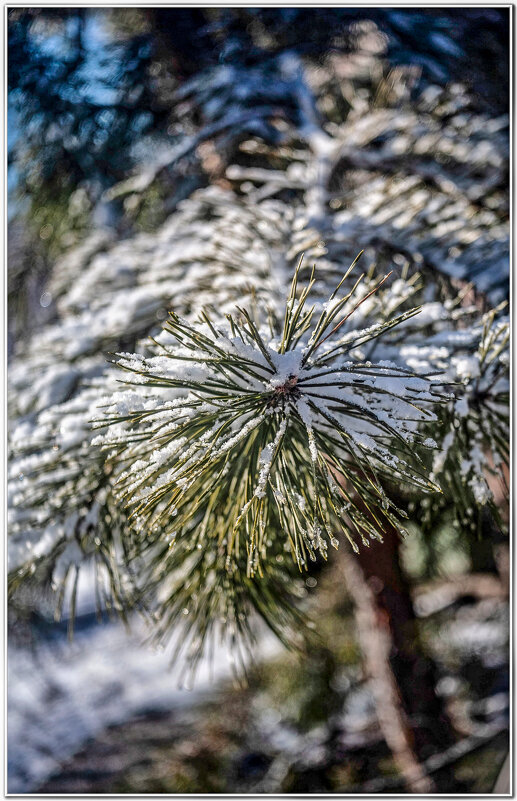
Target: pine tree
290, 403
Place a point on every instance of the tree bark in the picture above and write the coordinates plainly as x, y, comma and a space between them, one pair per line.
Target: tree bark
376, 643
411, 715
415, 672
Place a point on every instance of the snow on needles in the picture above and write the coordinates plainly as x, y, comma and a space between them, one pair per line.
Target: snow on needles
299, 438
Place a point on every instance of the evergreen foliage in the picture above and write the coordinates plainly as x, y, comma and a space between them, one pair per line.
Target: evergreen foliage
283, 441
223, 420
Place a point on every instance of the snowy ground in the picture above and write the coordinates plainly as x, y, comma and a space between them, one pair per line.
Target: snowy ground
61, 694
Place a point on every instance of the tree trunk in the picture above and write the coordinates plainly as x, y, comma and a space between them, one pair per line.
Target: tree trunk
415, 673
411, 715
376, 643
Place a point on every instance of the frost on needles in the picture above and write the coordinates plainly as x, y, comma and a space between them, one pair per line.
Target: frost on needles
244, 441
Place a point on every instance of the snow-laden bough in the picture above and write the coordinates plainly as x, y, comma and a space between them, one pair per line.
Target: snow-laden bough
235, 436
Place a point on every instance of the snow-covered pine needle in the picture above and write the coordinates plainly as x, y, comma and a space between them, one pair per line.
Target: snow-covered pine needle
474, 454
234, 446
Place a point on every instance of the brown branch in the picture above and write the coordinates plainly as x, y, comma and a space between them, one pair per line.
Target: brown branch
434, 596
448, 757
375, 643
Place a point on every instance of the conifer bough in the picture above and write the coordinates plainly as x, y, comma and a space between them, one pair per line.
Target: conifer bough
238, 442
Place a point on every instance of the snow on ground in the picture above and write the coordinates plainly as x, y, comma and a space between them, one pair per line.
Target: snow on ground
61, 694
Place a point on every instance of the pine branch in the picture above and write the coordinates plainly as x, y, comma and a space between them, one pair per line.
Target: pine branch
230, 448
